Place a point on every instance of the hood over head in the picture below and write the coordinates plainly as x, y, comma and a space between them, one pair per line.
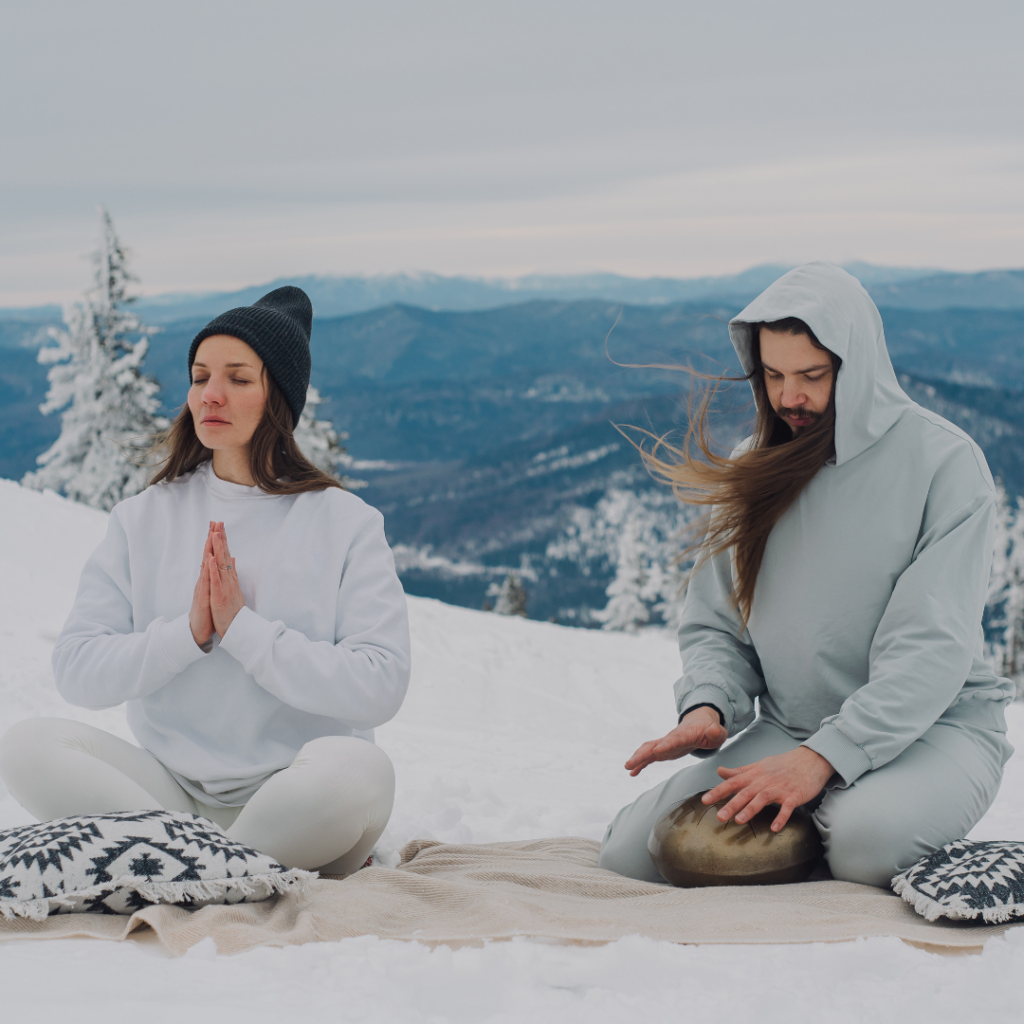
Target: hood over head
836, 307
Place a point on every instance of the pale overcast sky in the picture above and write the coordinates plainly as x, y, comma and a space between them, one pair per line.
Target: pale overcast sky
235, 142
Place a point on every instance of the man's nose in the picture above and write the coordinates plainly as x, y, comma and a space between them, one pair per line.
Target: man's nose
793, 395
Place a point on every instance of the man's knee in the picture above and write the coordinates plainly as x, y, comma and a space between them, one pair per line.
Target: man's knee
864, 842
624, 848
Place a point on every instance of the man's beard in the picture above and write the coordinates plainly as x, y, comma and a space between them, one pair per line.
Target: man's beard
783, 412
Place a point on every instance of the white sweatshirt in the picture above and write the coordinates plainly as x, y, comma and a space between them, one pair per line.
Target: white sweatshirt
321, 647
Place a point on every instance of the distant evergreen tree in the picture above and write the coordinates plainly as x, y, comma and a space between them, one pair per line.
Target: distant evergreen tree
322, 444
633, 586
110, 407
1005, 602
510, 596
641, 536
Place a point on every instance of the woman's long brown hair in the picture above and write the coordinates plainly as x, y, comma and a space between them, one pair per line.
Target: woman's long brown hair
275, 460
750, 491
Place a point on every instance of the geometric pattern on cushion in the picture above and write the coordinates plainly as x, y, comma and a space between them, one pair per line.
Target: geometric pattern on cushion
965, 881
118, 863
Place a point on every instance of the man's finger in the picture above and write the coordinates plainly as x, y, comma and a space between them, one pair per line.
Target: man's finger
666, 745
664, 751
723, 790
735, 805
787, 808
639, 756
645, 750
668, 748
756, 805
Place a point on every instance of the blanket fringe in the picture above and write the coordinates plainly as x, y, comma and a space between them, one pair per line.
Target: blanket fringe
264, 886
932, 910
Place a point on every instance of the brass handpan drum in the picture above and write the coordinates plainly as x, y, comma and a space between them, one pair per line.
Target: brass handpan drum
691, 847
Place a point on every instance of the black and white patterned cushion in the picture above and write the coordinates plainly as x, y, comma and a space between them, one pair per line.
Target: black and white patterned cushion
118, 863
965, 881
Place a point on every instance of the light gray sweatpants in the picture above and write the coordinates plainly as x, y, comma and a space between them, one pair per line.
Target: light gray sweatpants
930, 795
325, 811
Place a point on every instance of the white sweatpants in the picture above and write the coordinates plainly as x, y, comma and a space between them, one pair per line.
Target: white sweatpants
325, 811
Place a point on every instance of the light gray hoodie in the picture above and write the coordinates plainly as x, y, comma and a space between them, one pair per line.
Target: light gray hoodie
865, 627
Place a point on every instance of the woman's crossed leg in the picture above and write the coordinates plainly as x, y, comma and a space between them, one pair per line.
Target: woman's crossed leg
325, 811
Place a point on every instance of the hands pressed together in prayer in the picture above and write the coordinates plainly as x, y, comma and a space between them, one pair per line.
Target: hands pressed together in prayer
788, 780
217, 598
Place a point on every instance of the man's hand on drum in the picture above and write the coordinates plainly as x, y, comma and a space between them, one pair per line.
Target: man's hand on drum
701, 729
789, 780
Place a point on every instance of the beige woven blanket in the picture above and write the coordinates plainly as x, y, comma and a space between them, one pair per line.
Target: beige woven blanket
548, 888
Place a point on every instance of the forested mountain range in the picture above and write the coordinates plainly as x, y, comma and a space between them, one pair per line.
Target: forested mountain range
486, 435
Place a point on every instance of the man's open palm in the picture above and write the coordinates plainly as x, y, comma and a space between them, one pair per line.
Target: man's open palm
699, 730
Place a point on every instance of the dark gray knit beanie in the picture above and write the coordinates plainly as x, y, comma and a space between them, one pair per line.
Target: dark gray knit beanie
277, 329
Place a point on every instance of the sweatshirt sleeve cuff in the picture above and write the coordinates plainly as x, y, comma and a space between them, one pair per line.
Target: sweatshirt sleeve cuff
849, 761
179, 643
246, 636
708, 693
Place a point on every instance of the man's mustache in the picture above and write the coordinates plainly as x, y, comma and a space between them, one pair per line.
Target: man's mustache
800, 413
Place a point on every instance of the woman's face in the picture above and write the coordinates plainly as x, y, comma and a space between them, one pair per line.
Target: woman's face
228, 392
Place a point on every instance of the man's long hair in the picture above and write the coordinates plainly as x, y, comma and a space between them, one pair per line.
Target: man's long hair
276, 462
750, 491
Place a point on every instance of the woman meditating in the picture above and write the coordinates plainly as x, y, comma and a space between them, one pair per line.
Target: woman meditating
833, 623
246, 608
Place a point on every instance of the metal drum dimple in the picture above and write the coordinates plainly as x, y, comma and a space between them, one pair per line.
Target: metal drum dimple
691, 847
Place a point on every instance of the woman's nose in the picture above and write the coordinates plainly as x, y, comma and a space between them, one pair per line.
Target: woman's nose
213, 394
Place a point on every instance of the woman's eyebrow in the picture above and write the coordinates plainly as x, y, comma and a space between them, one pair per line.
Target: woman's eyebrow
227, 365
810, 369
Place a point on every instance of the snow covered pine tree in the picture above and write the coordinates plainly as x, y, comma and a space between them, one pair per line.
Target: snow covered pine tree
321, 443
511, 596
631, 590
1004, 610
110, 408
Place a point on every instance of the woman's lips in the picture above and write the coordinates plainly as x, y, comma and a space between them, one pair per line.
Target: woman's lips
213, 421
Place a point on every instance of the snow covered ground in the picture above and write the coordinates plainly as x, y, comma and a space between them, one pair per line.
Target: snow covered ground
512, 730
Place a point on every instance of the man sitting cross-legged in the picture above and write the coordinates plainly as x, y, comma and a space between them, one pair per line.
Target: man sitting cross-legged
841, 585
